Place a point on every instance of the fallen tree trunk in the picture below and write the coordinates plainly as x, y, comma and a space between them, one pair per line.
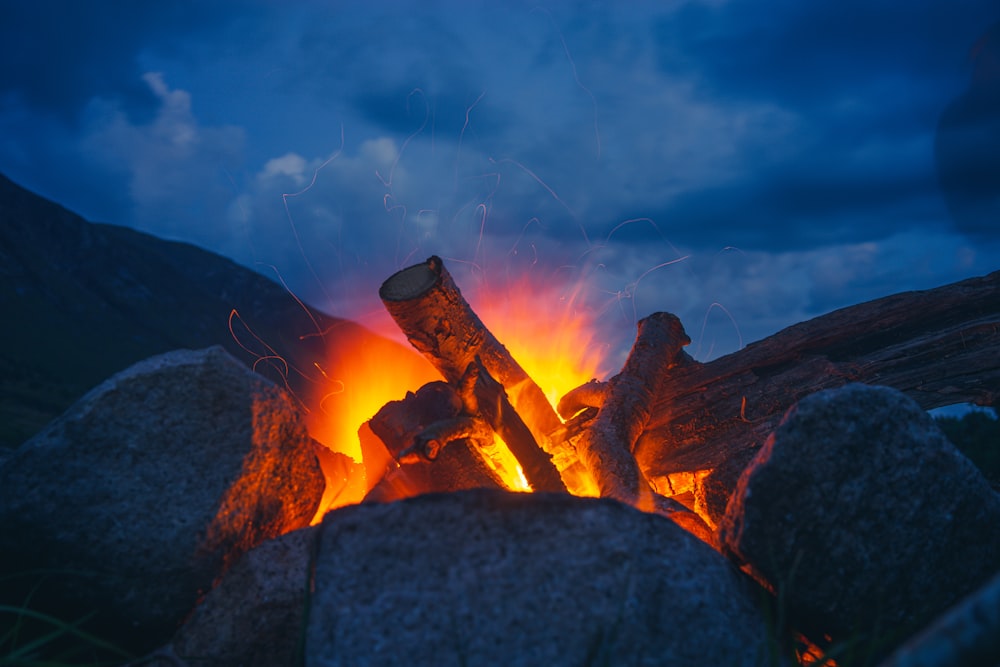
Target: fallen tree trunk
939, 346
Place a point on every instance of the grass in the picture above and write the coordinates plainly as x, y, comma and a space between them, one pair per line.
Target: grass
30, 638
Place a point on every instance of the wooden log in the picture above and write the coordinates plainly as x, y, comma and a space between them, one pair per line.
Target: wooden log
939, 346
485, 397
589, 395
429, 308
428, 443
458, 466
606, 446
417, 429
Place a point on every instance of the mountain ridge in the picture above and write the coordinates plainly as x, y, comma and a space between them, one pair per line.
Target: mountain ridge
83, 300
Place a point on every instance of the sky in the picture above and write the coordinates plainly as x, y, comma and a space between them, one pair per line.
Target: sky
745, 165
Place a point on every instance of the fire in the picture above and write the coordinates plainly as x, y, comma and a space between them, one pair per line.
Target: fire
545, 330
364, 371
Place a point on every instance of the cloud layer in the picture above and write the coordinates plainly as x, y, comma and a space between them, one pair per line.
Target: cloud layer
745, 166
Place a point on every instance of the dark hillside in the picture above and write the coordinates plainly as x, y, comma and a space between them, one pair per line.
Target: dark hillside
81, 301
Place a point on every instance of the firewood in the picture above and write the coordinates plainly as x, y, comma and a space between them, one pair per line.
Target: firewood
606, 446
485, 411
429, 308
588, 395
428, 443
939, 346
459, 466
417, 429
482, 395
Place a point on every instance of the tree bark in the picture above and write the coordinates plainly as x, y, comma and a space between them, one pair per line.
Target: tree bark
939, 346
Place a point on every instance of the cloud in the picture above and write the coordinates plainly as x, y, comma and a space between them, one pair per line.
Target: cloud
731, 297
59, 55
633, 146
176, 167
967, 146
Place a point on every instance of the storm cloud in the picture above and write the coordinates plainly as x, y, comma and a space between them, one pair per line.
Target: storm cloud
746, 165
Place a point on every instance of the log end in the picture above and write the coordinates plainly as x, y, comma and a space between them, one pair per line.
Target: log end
413, 281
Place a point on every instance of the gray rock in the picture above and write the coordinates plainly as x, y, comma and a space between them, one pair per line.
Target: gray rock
136, 499
486, 577
966, 635
256, 616
864, 515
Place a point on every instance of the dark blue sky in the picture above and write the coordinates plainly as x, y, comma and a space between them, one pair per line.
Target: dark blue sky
746, 165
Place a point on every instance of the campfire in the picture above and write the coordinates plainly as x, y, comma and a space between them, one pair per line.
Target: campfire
645, 436
765, 475
490, 424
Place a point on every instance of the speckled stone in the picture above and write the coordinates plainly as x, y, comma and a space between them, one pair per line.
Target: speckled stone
487, 577
138, 497
864, 514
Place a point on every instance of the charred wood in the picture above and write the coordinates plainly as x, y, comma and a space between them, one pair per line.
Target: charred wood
485, 397
398, 424
939, 346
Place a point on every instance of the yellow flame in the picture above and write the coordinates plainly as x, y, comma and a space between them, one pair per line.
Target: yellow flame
544, 330
363, 372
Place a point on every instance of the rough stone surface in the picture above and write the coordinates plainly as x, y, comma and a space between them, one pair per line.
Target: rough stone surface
487, 577
255, 617
966, 635
137, 498
864, 515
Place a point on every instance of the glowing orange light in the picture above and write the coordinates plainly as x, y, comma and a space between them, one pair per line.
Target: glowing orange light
364, 372
542, 327
546, 331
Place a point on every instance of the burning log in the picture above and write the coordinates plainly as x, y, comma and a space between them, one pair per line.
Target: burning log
485, 411
939, 346
483, 395
459, 466
437, 320
589, 395
606, 446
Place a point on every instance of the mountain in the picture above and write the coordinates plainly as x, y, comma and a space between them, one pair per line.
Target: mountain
80, 301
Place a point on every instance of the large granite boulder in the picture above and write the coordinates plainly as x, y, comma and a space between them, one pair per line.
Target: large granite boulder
864, 516
485, 577
255, 617
133, 502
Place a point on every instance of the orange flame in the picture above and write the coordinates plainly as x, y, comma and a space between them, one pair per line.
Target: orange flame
547, 332
544, 329
364, 371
